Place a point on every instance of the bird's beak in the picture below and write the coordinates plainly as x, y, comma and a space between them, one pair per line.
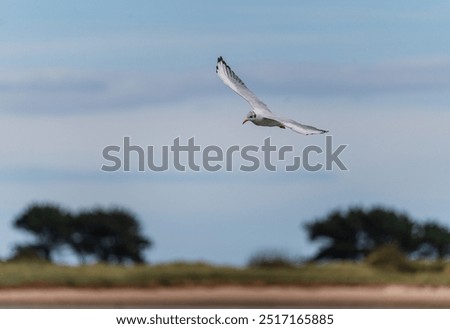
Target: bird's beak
245, 120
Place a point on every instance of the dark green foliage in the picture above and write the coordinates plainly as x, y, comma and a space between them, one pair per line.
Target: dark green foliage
271, 259
49, 225
112, 235
357, 232
435, 240
108, 236
383, 226
343, 231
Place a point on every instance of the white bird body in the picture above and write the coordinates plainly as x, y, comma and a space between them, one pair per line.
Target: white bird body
260, 115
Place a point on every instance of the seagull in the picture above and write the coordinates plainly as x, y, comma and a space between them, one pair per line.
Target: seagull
260, 115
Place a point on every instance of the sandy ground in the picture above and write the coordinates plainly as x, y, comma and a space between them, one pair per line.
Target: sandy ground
229, 297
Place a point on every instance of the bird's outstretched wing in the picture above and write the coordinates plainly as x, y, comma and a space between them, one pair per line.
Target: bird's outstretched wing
232, 80
300, 128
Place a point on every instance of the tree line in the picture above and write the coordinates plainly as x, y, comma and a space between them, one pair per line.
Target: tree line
102, 235
115, 235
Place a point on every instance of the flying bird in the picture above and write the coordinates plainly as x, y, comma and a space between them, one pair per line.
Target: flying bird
260, 114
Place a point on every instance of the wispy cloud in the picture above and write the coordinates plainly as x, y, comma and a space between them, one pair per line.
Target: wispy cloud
411, 75
62, 91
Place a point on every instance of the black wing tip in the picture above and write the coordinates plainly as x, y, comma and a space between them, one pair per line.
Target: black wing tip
220, 60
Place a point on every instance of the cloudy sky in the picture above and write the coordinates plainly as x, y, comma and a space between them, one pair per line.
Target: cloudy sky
76, 77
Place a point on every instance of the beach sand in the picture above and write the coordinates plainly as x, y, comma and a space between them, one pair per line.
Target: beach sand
393, 296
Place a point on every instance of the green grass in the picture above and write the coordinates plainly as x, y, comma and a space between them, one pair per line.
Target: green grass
16, 274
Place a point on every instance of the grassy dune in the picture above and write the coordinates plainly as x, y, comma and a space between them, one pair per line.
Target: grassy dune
101, 275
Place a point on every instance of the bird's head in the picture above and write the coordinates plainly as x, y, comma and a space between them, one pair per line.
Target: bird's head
250, 117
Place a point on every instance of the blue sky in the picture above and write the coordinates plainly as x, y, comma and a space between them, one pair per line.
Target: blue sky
78, 76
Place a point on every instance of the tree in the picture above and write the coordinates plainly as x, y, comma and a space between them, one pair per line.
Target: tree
102, 235
355, 233
49, 224
108, 236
